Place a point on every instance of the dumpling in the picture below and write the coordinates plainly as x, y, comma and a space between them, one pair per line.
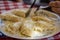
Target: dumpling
19, 13
44, 27
27, 28
10, 17
42, 18
17, 25
25, 31
12, 27
9, 28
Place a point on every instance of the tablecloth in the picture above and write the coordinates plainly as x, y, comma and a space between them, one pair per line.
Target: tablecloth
8, 5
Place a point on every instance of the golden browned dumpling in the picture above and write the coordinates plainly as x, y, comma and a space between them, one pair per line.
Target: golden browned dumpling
27, 28
10, 17
12, 27
44, 27
9, 28
18, 13
42, 18
25, 31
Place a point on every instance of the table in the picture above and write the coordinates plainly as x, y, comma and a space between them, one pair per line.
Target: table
8, 5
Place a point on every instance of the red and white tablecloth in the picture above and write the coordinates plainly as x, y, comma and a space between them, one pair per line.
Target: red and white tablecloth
8, 5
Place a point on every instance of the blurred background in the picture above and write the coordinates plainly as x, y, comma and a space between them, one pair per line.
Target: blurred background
42, 2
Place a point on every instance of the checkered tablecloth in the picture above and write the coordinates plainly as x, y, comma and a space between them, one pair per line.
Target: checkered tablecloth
8, 5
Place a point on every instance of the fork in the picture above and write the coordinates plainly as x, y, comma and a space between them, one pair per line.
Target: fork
28, 12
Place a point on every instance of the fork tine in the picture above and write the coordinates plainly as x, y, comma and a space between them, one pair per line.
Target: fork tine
38, 7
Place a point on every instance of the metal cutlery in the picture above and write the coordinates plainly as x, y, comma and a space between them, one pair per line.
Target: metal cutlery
38, 7
28, 12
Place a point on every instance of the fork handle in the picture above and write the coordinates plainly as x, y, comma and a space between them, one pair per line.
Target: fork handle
33, 4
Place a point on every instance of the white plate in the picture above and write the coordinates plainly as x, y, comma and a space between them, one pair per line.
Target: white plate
40, 37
